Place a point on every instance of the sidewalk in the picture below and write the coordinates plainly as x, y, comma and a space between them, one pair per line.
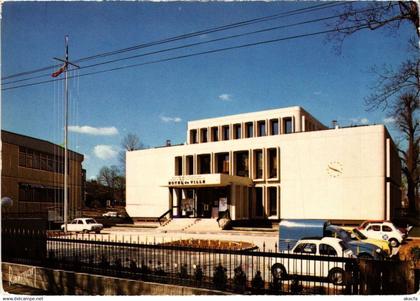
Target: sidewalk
18, 289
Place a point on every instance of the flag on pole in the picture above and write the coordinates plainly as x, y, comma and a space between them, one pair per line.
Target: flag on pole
59, 71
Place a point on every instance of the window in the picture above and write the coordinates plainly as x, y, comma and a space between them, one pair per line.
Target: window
259, 208
225, 132
203, 135
241, 163
222, 160
307, 248
258, 157
261, 128
249, 130
35, 163
272, 200
36, 193
178, 166
288, 125
386, 229
237, 131
79, 222
374, 228
274, 127
189, 165
272, 163
193, 136
22, 156
215, 133
328, 250
203, 163
29, 156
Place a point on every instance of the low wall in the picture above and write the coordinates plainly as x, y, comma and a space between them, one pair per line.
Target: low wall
70, 283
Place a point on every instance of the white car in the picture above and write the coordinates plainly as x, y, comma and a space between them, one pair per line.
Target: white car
84, 225
326, 246
384, 230
110, 214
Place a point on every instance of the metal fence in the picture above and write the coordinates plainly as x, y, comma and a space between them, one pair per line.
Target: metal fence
241, 272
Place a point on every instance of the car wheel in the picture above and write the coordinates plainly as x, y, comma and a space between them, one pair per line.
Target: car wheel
85, 231
98, 231
336, 276
278, 271
393, 243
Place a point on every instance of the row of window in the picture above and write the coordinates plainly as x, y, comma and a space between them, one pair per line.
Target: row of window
224, 132
223, 161
28, 193
37, 160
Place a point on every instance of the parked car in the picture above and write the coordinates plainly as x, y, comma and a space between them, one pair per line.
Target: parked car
360, 249
384, 230
326, 246
355, 234
110, 214
290, 231
84, 224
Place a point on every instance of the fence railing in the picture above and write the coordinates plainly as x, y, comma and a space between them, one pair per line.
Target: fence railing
238, 271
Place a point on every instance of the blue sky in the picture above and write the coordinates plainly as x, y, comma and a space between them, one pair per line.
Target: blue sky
156, 101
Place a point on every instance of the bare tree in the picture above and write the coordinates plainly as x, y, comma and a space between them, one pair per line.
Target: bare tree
129, 143
374, 15
107, 176
406, 119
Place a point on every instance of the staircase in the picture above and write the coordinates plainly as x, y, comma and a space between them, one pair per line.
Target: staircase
190, 225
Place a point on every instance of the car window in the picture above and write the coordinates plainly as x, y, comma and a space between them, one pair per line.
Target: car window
79, 222
74, 222
306, 248
325, 249
374, 228
90, 221
386, 229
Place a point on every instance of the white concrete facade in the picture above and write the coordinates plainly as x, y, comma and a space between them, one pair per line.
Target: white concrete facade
291, 167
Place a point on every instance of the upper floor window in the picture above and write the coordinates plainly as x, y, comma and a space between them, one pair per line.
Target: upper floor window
225, 132
178, 166
34, 159
222, 160
242, 164
193, 136
203, 135
272, 163
189, 161
274, 127
203, 163
249, 130
237, 131
258, 163
261, 128
288, 125
215, 133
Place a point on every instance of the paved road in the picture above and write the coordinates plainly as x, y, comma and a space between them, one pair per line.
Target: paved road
18, 289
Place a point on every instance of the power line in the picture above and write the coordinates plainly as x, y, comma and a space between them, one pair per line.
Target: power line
191, 55
193, 34
193, 44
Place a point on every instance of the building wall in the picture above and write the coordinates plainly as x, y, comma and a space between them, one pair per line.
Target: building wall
12, 175
307, 189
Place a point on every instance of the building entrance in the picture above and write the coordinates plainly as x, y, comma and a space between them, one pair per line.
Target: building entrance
210, 201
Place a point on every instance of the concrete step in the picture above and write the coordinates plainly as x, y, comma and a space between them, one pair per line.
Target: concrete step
204, 225
177, 224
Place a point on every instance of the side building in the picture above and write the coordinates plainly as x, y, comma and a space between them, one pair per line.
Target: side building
272, 164
33, 177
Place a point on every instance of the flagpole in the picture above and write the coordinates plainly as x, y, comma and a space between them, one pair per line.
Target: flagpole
64, 69
66, 118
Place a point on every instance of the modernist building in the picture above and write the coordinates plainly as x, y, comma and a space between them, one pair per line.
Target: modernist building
271, 164
33, 176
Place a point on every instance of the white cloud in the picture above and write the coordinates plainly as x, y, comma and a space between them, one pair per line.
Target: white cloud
90, 130
105, 152
363, 120
225, 97
388, 120
170, 119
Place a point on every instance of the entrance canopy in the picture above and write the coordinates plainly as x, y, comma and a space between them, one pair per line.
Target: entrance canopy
207, 180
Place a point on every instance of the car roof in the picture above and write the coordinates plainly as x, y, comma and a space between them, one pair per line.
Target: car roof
319, 239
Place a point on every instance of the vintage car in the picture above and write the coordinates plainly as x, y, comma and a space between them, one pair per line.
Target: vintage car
355, 234
325, 246
83, 224
384, 230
